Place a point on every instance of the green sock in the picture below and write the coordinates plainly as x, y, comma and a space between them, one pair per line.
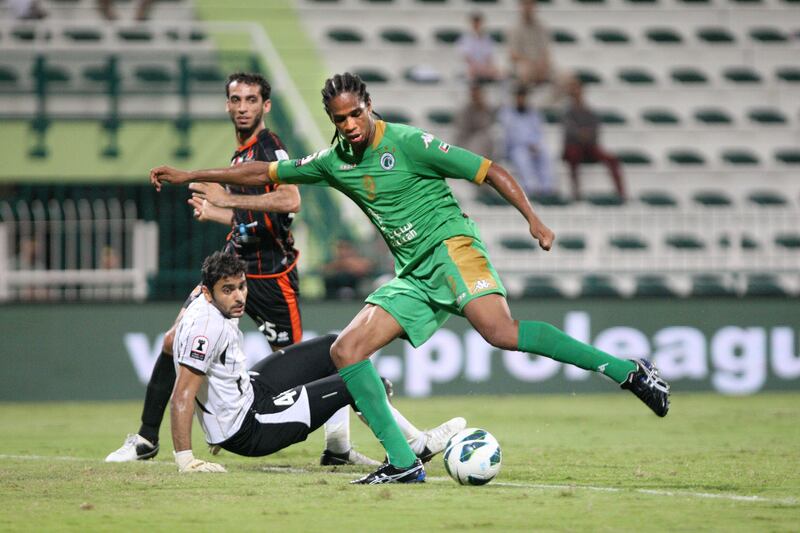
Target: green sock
544, 339
367, 390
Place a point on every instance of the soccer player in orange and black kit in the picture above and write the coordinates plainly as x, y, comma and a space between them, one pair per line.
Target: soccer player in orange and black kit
260, 218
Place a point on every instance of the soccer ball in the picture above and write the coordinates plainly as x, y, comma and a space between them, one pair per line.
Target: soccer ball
472, 457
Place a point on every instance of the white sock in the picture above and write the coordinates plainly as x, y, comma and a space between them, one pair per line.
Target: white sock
337, 431
415, 437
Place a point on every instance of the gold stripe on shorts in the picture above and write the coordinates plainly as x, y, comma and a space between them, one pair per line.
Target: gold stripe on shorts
471, 264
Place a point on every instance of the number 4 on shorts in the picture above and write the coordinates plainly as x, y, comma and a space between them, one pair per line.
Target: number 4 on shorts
285, 398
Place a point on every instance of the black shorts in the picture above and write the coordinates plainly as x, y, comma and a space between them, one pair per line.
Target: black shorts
296, 391
272, 304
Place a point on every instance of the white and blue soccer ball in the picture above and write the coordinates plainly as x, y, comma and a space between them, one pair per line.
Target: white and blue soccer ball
472, 457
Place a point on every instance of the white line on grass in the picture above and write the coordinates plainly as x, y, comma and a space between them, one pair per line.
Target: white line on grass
538, 486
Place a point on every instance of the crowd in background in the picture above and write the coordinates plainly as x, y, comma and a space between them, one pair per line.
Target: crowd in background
533, 70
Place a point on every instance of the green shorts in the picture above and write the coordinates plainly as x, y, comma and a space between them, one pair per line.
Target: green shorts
448, 278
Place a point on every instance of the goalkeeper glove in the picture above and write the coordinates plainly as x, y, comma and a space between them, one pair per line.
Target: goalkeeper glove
187, 463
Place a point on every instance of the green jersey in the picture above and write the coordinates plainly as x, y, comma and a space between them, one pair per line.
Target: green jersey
399, 183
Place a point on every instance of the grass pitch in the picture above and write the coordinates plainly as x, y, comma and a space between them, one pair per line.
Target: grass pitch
570, 463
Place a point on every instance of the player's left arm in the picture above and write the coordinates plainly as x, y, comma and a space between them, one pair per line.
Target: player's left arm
504, 183
284, 199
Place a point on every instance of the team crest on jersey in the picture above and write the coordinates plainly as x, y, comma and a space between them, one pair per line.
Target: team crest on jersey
199, 348
444, 147
387, 161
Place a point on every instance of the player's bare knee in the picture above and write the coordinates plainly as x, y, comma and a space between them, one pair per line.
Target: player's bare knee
499, 335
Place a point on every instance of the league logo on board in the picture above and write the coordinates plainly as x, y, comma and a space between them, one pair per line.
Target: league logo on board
387, 161
199, 348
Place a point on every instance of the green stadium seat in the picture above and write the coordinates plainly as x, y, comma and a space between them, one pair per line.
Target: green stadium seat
135, 35
207, 74
432, 1
627, 242
652, 286
764, 285
767, 116
741, 75
484, 1
632, 156
660, 117
398, 36
23, 34
441, 116
541, 286
712, 199
604, 199
790, 241
768, 35
587, 76
562, 36
747, 2
518, 243
156, 74
713, 116
788, 156
789, 74
8, 76
571, 242
663, 36
767, 198
598, 286
197, 35
447, 35
688, 75
696, 2
686, 156
83, 34
658, 199
611, 117
550, 200
371, 75
684, 241
710, 285
747, 242
611, 36
97, 73
715, 35
497, 36
642, 2
345, 35
739, 156
56, 74
398, 116
636, 76
551, 115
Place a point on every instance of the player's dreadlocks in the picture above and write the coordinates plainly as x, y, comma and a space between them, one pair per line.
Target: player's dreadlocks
344, 83
250, 78
221, 265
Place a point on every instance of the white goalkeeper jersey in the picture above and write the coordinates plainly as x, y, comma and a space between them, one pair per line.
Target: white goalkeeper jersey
212, 344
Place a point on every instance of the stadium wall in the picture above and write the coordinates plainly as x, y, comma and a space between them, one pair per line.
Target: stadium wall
80, 352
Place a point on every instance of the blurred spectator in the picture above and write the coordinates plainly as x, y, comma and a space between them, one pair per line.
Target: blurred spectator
345, 271
474, 123
477, 48
27, 9
529, 48
107, 9
525, 147
109, 259
581, 141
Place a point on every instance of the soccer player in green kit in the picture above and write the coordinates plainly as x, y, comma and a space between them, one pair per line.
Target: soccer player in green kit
396, 175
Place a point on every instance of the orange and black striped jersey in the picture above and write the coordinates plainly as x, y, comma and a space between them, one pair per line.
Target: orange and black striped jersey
263, 240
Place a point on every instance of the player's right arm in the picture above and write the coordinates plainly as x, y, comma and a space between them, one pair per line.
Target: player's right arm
309, 169
253, 173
